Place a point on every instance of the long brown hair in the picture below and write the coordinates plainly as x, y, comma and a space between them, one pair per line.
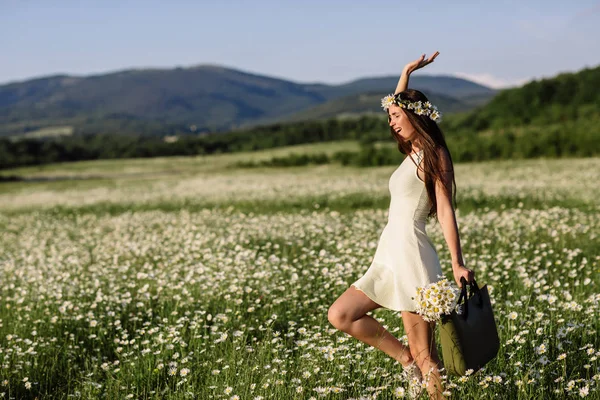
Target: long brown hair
432, 141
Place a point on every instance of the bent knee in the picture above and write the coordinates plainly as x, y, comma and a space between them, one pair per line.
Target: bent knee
338, 318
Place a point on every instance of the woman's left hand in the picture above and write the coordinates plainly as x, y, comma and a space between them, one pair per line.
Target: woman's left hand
420, 63
460, 271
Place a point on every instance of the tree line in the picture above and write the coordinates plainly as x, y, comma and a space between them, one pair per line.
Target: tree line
578, 138
14, 153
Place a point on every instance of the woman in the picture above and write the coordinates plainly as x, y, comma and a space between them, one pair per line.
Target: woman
421, 186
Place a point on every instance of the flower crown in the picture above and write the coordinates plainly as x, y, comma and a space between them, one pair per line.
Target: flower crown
419, 107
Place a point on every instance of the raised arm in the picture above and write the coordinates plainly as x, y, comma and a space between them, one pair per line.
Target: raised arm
447, 219
412, 67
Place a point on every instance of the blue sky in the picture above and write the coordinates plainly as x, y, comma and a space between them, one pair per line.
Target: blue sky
499, 43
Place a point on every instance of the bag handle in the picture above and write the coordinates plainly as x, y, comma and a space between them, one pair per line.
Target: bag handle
463, 297
474, 289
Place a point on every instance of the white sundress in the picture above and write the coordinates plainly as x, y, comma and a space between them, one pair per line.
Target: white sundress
405, 257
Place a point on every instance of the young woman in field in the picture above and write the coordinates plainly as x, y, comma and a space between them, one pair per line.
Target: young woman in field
422, 186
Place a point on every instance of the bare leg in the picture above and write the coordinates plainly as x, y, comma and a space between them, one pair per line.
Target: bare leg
422, 345
348, 314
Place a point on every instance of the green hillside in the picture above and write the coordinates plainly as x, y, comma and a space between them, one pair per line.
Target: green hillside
207, 97
182, 100
566, 97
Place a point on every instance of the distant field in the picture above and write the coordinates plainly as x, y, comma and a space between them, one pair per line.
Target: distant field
173, 165
208, 181
47, 132
185, 278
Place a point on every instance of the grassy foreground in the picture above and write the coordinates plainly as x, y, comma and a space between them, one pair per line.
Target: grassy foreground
185, 278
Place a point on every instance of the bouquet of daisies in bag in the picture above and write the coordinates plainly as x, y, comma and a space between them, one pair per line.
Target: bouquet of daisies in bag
436, 300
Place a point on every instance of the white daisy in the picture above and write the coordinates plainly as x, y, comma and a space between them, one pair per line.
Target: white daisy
387, 101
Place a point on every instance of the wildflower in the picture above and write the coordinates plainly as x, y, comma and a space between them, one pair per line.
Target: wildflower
222, 338
590, 351
184, 371
387, 101
541, 349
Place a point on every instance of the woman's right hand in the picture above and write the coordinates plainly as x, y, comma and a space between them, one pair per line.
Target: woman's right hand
419, 63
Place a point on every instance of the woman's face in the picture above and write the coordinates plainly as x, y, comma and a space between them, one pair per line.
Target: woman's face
400, 123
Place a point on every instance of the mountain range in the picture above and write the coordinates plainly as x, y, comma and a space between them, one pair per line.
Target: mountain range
203, 98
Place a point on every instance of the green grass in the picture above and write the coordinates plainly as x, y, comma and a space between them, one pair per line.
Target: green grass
112, 287
346, 204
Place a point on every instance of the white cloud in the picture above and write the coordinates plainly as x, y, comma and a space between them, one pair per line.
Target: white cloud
491, 80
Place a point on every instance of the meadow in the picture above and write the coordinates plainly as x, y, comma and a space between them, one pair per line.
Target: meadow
189, 278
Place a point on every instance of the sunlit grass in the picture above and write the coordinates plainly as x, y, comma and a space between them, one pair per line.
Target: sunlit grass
216, 283
541, 183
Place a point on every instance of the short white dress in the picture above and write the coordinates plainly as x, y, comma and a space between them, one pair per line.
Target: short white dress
405, 257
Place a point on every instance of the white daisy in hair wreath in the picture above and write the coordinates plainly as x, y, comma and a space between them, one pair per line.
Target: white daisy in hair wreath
418, 107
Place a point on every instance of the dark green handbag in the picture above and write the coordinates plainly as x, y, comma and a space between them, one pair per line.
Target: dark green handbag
469, 339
